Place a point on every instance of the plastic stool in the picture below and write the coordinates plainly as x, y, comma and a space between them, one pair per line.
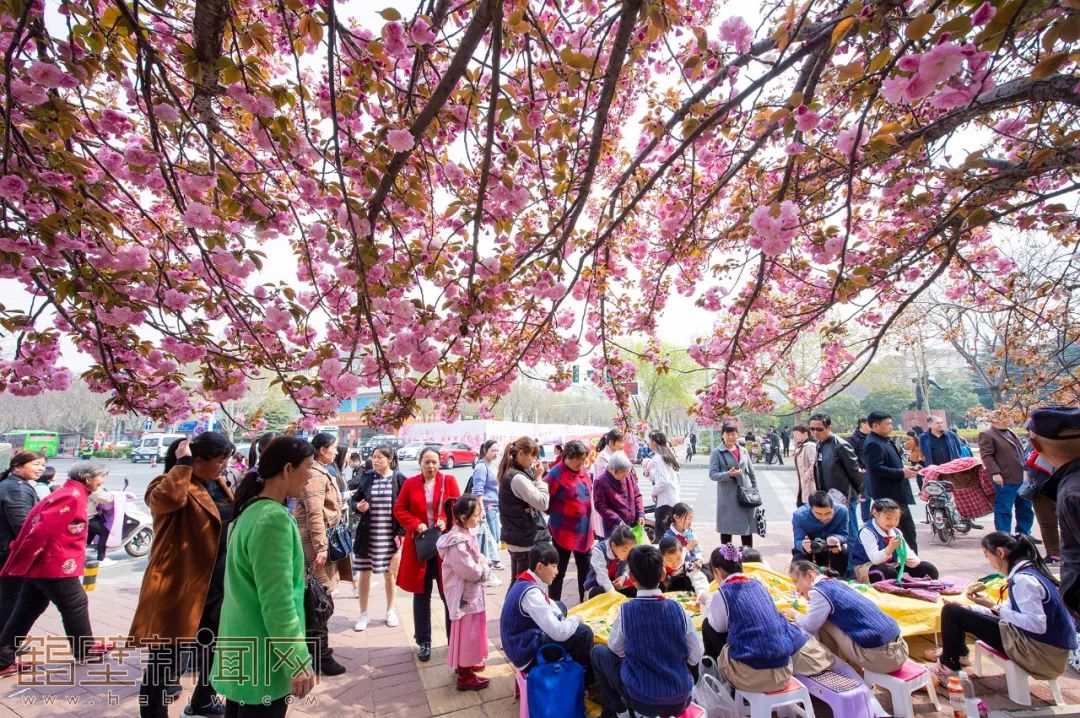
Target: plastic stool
846, 696
761, 705
691, 711
1016, 678
902, 684
520, 693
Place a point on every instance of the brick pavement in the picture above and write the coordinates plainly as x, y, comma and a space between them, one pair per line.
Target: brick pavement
385, 679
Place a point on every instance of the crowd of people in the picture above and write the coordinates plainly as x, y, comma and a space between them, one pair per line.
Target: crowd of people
259, 558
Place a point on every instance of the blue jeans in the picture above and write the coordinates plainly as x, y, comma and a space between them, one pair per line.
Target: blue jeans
1005, 500
853, 531
489, 533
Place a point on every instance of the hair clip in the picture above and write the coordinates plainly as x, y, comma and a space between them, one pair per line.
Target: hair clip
731, 552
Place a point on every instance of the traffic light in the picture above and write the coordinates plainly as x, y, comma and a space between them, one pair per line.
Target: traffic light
577, 374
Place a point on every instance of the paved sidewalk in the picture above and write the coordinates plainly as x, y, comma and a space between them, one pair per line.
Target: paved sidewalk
384, 678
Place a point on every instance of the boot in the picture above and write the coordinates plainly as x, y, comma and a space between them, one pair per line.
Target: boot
467, 680
327, 666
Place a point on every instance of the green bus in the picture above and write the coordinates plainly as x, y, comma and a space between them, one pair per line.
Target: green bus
45, 442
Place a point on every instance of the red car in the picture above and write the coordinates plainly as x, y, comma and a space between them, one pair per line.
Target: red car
456, 454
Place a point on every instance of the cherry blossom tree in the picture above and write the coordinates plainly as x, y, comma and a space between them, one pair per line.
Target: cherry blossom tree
439, 202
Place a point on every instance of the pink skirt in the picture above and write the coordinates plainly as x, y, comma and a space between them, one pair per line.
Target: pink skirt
468, 641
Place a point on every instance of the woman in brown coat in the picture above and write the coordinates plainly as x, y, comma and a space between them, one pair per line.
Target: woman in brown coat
317, 511
183, 585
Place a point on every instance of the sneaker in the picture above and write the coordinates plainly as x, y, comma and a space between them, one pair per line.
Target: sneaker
424, 654
497, 565
211, 711
493, 582
362, 622
329, 667
392, 620
1053, 558
106, 561
15, 669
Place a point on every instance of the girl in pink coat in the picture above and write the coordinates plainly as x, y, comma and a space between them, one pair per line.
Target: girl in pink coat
464, 570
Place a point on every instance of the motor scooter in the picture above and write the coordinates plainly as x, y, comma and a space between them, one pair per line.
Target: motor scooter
128, 524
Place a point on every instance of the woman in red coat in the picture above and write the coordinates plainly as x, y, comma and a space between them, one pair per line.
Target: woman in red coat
49, 554
420, 505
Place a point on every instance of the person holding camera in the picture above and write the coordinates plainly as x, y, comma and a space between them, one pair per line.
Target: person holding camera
821, 532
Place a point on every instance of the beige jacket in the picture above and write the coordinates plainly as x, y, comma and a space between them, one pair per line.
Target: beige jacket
318, 509
805, 457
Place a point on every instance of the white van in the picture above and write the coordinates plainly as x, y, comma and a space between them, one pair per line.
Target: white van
153, 446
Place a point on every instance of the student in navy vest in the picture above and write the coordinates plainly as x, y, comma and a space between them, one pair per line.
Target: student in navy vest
530, 619
635, 670
846, 622
874, 554
1032, 626
755, 648
822, 520
607, 564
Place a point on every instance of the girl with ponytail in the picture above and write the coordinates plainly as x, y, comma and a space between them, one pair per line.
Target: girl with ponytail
663, 468
1031, 625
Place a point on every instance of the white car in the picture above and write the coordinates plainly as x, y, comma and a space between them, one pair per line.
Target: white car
411, 451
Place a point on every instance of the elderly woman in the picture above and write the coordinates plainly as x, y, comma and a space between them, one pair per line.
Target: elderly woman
318, 510
616, 494
730, 467
420, 506
48, 555
569, 514
183, 585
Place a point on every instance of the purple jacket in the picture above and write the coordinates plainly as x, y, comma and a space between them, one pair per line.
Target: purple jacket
618, 501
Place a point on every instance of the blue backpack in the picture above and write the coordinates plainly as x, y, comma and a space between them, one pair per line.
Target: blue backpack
556, 689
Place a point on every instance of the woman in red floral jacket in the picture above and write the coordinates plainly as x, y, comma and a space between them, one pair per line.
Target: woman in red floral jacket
49, 553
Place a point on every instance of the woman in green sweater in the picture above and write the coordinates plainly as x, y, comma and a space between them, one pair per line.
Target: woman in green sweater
262, 656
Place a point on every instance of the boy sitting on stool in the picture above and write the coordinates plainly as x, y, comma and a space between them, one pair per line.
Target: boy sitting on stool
635, 670
531, 619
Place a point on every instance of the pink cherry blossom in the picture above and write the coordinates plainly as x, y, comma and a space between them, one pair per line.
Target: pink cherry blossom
198, 216
849, 140
46, 74
941, 62
166, 113
775, 231
806, 119
952, 97
984, 14
13, 187
400, 140
734, 30
421, 33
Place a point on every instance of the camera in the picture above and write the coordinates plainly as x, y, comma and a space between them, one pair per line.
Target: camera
818, 545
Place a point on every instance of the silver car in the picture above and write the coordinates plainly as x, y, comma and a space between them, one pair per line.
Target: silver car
411, 451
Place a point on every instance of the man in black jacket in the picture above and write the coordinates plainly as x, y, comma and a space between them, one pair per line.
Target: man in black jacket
886, 475
1055, 433
837, 467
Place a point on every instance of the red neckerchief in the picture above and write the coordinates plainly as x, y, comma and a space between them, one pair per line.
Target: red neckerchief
737, 578
527, 576
682, 539
668, 570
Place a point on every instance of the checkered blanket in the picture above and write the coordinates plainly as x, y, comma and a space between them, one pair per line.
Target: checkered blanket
973, 490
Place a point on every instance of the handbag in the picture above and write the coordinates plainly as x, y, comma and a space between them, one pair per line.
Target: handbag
426, 542
556, 689
759, 520
339, 541
318, 604
748, 496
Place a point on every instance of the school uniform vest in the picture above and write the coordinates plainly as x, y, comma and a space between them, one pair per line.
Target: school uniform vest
757, 634
856, 615
858, 551
521, 526
654, 671
1060, 628
615, 568
521, 637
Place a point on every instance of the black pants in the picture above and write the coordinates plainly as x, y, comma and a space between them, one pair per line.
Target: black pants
421, 602
276, 709
519, 564
607, 667
10, 587
747, 539
35, 596
836, 561
679, 583
581, 560
627, 590
714, 641
165, 664
663, 520
318, 640
956, 623
889, 571
95, 529
907, 528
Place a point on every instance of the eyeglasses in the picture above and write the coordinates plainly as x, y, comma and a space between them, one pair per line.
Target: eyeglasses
817, 429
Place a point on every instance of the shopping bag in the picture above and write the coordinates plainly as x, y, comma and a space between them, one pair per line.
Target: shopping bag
712, 694
639, 534
556, 688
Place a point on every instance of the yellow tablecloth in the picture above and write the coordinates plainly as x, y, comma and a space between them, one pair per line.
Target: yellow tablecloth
914, 616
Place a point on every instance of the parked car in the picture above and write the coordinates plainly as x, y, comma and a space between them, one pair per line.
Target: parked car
456, 454
411, 451
152, 447
369, 446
